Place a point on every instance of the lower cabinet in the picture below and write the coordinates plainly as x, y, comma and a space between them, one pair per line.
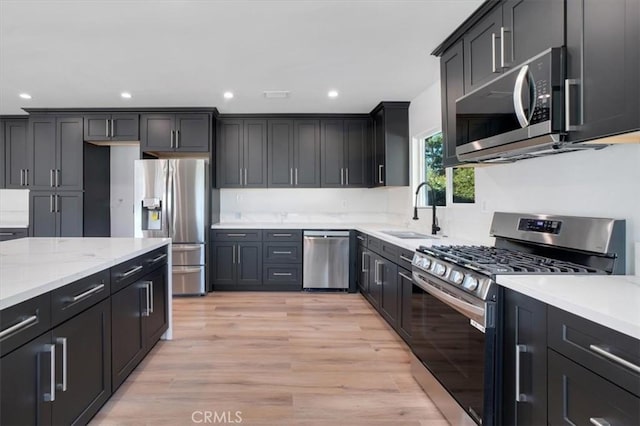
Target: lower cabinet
388, 279
56, 214
236, 264
362, 263
7, 234
405, 290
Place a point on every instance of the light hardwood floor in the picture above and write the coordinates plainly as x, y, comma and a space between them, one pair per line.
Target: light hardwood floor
278, 359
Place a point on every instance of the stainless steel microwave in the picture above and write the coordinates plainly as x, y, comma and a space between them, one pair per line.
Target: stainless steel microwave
518, 115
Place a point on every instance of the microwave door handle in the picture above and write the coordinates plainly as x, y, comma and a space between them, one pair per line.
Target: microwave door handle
517, 96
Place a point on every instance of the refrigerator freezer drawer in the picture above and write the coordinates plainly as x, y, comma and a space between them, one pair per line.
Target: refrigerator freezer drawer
188, 254
188, 280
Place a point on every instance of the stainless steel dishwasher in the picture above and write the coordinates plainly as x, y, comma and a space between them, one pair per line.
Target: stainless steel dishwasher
326, 260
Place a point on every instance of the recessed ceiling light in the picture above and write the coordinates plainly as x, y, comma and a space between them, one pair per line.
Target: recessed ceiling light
25, 96
228, 95
333, 93
276, 94
125, 95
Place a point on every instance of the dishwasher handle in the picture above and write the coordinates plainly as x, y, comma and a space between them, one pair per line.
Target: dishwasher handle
326, 234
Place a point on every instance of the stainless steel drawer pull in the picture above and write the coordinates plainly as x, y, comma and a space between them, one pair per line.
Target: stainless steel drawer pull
147, 291
21, 177
112, 132
615, 358
50, 397
7, 234
65, 369
282, 274
236, 235
131, 271
281, 235
19, 326
360, 237
281, 252
598, 421
86, 293
151, 297
162, 256
364, 253
405, 258
380, 173
106, 128
51, 178
519, 350
405, 276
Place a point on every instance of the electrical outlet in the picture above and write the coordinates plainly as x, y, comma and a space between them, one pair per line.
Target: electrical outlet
484, 206
344, 204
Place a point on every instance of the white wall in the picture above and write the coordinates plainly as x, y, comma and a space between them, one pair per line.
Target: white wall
602, 183
122, 158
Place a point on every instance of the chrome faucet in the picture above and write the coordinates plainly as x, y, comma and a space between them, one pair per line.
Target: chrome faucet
434, 221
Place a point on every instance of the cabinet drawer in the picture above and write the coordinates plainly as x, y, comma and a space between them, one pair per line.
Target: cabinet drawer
580, 397
275, 274
187, 254
374, 244
127, 272
237, 235
74, 298
598, 348
24, 321
283, 235
7, 234
404, 258
282, 252
361, 238
156, 258
390, 251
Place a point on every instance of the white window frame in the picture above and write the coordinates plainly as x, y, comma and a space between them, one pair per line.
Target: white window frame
418, 165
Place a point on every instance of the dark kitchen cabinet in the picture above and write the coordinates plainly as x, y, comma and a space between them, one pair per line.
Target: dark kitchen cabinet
111, 127
602, 67
306, 153
280, 154
83, 365
344, 154
249, 264
391, 144
452, 88
156, 321
236, 264
362, 263
482, 51
388, 279
56, 214
242, 153
405, 290
185, 132
7, 234
524, 360
375, 282
3, 163
14, 152
223, 263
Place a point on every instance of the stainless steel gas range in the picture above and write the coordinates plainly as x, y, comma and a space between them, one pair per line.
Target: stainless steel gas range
456, 304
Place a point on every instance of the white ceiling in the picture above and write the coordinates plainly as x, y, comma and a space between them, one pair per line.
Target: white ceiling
187, 53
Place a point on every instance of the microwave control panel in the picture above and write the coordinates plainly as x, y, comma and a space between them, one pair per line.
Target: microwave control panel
542, 102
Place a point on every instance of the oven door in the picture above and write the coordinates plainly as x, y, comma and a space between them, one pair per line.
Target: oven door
455, 345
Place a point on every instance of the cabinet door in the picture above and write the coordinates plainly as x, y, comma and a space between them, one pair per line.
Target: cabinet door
482, 51
15, 143
249, 263
156, 132
280, 156
68, 206
362, 266
97, 127
378, 149
255, 154
525, 337
83, 379
357, 161
69, 153
156, 321
375, 282
389, 292
124, 127
223, 263
602, 59
127, 324
405, 291
41, 152
26, 377
230, 142
306, 173
42, 217
524, 37
193, 132
332, 153
452, 87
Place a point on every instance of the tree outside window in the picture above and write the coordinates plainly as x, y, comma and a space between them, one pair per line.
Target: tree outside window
434, 171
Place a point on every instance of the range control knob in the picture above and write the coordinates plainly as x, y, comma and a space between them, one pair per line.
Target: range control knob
439, 269
456, 277
425, 263
470, 283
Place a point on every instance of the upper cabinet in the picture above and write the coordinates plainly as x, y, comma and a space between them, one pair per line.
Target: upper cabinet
344, 153
451, 87
186, 132
306, 153
280, 153
242, 153
481, 59
13, 153
602, 68
111, 127
391, 144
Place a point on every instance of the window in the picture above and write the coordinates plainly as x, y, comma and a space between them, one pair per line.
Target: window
431, 170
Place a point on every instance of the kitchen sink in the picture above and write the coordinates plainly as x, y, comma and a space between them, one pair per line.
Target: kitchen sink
407, 235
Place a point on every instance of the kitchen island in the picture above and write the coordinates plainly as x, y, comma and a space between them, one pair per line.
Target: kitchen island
77, 315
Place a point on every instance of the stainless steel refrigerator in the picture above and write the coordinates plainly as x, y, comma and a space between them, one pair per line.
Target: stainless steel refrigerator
170, 200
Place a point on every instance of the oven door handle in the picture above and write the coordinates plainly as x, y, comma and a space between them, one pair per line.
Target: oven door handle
469, 310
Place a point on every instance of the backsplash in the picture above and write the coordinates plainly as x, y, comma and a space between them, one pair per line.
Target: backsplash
14, 208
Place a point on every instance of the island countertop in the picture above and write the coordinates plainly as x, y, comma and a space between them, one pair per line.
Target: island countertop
30, 267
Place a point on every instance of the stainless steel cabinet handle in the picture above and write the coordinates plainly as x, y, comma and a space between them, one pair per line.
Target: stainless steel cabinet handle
112, 127
375, 271
233, 255
51, 204
281, 235
50, 397
239, 256
405, 276
281, 252
567, 105
598, 421
296, 176
347, 176
380, 173
341, 176
240, 171
65, 370
19, 326
503, 30
177, 139
162, 256
615, 358
282, 274
87, 293
405, 258
57, 177
364, 253
245, 176
131, 271
26, 177
7, 234
519, 350
57, 200
106, 128
291, 176
236, 235
171, 140
360, 237
493, 53
147, 293
51, 178
151, 297
21, 177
